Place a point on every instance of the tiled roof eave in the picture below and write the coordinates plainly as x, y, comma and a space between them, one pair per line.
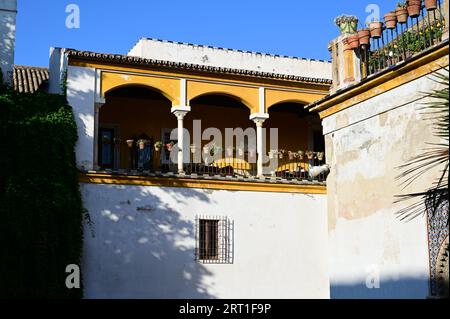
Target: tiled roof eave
125, 59
28, 79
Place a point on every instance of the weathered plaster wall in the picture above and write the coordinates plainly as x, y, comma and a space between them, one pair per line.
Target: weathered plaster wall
227, 58
365, 145
141, 244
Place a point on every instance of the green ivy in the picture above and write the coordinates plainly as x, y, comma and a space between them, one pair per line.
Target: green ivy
41, 209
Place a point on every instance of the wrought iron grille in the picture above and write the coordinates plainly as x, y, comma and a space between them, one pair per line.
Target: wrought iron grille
214, 240
401, 41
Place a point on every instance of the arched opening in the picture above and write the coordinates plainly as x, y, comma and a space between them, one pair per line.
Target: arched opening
132, 114
222, 111
300, 140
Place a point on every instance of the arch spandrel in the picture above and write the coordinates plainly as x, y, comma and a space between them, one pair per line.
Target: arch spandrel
170, 88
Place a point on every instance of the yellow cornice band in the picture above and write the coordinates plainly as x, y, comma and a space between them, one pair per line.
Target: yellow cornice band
232, 185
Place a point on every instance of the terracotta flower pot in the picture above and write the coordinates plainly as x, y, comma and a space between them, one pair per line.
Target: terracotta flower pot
291, 155
310, 155
431, 4
130, 143
364, 36
375, 29
353, 41
402, 15
413, 8
390, 20
346, 45
320, 156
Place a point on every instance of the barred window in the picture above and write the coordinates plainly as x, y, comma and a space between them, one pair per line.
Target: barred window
213, 240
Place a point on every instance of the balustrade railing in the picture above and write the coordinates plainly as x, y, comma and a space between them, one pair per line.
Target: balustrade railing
280, 164
404, 33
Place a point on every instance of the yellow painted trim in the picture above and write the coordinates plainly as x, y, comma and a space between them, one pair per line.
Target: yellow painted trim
97, 178
274, 97
248, 96
388, 81
170, 88
236, 79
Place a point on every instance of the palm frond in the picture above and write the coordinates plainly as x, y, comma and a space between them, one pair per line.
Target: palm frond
432, 199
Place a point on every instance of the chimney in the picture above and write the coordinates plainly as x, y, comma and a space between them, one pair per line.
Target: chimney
8, 12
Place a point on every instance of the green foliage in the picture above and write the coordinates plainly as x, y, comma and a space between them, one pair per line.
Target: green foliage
40, 203
414, 41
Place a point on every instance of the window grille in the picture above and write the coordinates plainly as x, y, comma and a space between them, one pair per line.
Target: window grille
214, 240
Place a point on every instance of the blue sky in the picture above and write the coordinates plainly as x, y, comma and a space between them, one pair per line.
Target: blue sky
287, 27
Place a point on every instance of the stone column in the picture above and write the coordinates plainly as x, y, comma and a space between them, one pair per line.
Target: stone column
259, 120
180, 112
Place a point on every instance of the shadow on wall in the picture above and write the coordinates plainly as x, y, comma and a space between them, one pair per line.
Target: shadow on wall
7, 25
79, 87
142, 247
405, 288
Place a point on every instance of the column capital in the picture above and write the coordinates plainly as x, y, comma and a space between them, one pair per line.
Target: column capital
259, 118
180, 110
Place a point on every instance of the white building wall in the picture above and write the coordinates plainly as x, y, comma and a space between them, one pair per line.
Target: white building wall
365, 145
57, 70
141, 244
8, 12
80, 95
228, 58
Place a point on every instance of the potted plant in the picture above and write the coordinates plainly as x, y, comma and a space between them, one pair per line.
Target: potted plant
390, 19
117, 140
353, 41
281, 153
401, 12
346, 23
309, 154
376, 27
141, 143
230, 151
169, 146
292, 155
130, 143
300, 154
158, 145
216, 150
364, 36
431, 5
320, 156
413, 7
